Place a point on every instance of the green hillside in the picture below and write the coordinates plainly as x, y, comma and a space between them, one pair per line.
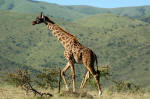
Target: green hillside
88, 10
134, 12
121, 42
69, 13
35, 7
20, 40
145, 18
109, 21
27, 45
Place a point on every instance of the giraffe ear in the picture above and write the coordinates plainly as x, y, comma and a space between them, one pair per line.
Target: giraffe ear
41, 15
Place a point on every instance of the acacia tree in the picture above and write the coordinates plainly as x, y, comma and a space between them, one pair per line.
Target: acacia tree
23, 79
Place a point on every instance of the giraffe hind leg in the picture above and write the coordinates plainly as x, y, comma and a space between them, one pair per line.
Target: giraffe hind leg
97, 79
87, 75
96, 75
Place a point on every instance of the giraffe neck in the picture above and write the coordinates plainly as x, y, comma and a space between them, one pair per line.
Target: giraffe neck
64, 37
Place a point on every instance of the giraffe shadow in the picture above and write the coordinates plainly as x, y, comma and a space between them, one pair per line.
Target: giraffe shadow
76, 95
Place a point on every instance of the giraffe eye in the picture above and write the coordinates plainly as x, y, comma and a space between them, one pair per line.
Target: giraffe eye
37, 21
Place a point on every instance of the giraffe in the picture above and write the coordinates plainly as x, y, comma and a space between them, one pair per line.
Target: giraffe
75, 52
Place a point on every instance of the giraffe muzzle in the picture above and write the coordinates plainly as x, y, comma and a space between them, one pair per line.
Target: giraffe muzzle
34, 22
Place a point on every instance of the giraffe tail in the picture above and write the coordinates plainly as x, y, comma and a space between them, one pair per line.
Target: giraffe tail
96, 61
97, 71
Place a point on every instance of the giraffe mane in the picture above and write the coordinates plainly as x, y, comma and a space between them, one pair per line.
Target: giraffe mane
66, 32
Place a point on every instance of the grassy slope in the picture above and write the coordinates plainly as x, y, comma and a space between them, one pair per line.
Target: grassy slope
9, 92
119, 41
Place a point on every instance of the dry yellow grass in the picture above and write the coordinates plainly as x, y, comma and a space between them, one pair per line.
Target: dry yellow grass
9, 92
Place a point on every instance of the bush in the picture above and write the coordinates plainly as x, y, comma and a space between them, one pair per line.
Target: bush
48, 78
118, 86
104, 72
22, 78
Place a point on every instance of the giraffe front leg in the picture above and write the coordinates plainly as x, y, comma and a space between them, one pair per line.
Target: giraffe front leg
73, 75
63, 74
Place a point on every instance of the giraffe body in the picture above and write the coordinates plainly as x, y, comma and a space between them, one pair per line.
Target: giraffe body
75, 52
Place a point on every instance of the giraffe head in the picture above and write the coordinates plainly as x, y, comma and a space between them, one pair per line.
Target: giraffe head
41, 19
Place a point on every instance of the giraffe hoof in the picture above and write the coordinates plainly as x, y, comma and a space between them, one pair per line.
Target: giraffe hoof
100, 93
67, 87
74, 90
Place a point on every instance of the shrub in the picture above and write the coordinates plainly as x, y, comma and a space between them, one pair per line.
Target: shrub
48, 78
23, 79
